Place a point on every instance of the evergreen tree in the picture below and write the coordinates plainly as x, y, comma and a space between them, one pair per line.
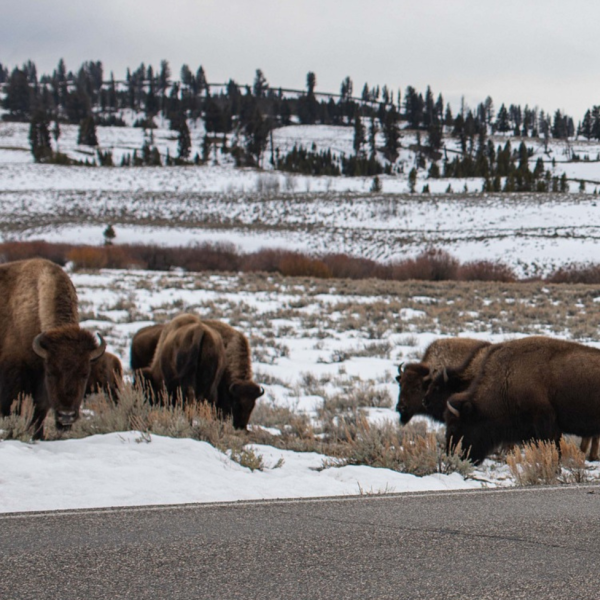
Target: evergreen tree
87, 132
184, 141
257, 135
18, 94
39, 137
260, 85
346, 89
391, 134
359, 134
502, 120
311, 82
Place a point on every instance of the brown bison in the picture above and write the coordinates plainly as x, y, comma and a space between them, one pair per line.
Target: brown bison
535, 388
415, 378
189, 360
43, 351
237, 392
106, 376
143, 346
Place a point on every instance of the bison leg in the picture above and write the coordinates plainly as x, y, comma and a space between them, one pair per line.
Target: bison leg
595, 451
585, 444
37, 422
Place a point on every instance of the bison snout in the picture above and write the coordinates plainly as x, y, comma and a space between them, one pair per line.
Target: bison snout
66, 417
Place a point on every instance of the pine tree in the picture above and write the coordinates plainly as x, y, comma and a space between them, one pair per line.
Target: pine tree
311, 82
87, 132
391, 134
346, 89
359, 134
18, 94
184, 141
260, 86
39, 137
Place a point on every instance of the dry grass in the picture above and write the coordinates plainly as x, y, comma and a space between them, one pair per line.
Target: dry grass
539, 463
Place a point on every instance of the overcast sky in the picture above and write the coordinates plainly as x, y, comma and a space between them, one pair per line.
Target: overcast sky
536, 52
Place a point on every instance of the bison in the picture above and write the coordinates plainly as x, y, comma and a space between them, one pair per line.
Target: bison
449, 381
237, 392
535, 388
143, 346
106, 376
189, 359
43, 351
415, 378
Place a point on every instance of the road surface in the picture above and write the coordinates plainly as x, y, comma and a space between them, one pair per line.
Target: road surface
515, 543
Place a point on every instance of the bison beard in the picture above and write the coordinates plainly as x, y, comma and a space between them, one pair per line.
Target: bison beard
535, 388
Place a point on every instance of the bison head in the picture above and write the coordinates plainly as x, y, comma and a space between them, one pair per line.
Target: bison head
67, 353
467, 427
242, 397
413, 381
443, 385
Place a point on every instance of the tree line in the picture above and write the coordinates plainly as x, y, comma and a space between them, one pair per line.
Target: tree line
88, 98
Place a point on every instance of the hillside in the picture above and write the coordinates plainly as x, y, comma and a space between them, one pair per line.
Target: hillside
254, 208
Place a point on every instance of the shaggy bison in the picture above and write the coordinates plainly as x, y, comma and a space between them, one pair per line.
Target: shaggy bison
143, 346
535, 388
106, 376
237, 392
189, 359
43, 351
415, 378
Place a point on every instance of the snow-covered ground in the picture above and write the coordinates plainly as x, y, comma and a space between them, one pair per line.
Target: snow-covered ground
298, 331
253, 209
264, 208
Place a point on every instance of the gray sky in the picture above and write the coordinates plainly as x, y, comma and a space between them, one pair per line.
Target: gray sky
536, 52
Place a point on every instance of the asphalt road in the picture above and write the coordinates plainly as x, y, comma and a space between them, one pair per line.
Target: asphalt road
518, 543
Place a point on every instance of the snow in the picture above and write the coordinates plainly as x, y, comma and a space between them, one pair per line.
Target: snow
128, 469
252, 209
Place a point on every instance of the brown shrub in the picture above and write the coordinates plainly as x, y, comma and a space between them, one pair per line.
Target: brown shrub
88, 257
576, 273
431, 265
485, 270
267, 260
298, 265
10, 251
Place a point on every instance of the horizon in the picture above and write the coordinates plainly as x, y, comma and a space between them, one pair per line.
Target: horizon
536, 53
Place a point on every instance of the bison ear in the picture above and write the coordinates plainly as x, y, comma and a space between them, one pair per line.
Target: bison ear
246, 388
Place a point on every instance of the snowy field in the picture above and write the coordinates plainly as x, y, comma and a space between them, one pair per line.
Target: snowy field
311, 340
184, 205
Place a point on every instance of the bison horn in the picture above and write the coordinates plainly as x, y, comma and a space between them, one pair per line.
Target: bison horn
400, 367
99, 351
452, 409
445, 375
38, 348
262, 391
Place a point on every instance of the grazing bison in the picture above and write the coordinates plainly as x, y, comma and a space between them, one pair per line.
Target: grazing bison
106, 376
189, 359
449, 381
237, 391
415, 378
143, 346
43, 351
535, 388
